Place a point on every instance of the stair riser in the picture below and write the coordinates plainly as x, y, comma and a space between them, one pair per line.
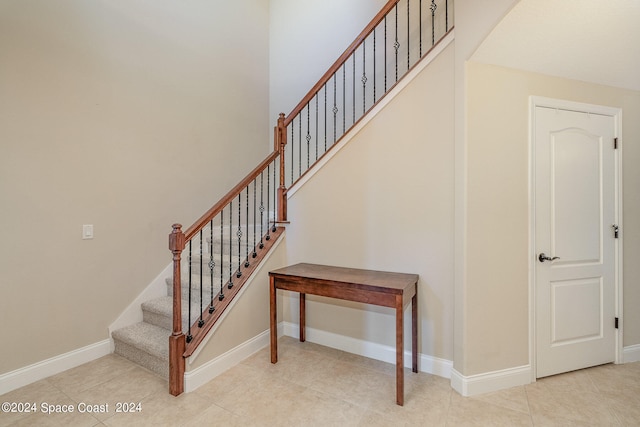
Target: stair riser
166, 320
151, 362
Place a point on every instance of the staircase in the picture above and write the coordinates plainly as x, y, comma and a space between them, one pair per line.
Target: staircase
145, 343
215, 256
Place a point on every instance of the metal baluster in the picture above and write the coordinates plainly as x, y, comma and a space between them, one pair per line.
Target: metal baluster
385, 54
353, 58
239, 234
201, 321
446, 15
374, 65
189, 336
325, 117
300, 141
396, 45
308, 137
344, 97
335, 107
317, 123
255, 243
268, 199
212, 265
420, 19
292, 143
246, 221
221, 296
408, 36
433, 22
273, 228
364, 75
262, 208
230, 284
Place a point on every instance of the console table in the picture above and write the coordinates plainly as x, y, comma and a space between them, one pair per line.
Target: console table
395, 290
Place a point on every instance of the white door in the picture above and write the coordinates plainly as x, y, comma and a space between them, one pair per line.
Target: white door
575, 197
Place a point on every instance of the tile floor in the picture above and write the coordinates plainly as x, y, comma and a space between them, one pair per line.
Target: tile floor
313, 385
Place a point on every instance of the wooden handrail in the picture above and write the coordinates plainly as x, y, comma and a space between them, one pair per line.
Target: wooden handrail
336, 65
233, 193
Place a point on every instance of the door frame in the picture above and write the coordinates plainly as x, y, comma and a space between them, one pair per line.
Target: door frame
616, 114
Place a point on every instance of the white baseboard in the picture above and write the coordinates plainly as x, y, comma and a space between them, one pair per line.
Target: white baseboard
205, 373
490, 381
631, 354
32, 373
429, 364
512, 377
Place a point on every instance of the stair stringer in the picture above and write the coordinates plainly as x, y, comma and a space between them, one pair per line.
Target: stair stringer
373, 112
242, 329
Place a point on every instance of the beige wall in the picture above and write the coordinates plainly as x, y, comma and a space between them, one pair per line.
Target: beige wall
385, 202
496, 296
306, 37
474, 20
122, 114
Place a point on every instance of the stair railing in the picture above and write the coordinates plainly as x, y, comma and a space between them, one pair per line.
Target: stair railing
401, 34
224, 246
214, 257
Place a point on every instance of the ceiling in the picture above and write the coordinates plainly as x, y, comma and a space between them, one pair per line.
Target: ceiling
591, 40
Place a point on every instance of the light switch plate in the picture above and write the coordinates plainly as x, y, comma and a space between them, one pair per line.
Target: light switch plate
87, 231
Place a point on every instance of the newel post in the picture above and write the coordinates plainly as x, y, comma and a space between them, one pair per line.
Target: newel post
177, 339
281, 141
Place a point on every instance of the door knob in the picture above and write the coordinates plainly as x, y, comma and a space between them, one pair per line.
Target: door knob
542, 258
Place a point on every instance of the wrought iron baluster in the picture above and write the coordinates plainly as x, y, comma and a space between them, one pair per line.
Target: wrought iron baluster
308, 137
344, 97
335, 106
374, 65
262, 208
292, 143
189, 336
273, 228
317, 124
268, 237
420, 30
325, 117
221, 296
353, 58
408, 36
446, 15
433, 22
212, 265
255, 242
385, 54
300, 142
396, 45
201, 321
246, 221
230, 284
364, 75
239, 234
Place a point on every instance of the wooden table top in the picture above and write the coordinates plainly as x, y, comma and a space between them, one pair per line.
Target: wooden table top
378, 281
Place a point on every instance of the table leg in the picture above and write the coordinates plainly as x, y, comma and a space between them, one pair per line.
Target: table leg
303, 315
399, 351
414, 330
273, 320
